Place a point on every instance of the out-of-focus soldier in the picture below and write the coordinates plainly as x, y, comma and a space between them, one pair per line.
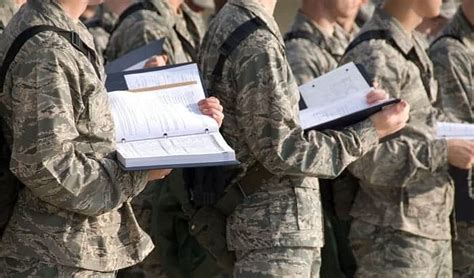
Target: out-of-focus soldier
100, 26
316, 42
431, 27
314, 45
7, 9
73, 217
453, 58
173, 21
277, 230
347, 17
402, 223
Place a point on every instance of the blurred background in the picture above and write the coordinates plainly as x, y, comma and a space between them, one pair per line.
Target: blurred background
285, 12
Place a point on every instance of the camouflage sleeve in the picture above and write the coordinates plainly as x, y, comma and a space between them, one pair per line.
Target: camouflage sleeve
454, 75
49, 154
395, 161
136, 31
273, 132
304, 60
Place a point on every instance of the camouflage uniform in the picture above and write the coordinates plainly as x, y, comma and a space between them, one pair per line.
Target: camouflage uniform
74, 212
454, 66
146, 26
406, 194
7, 10
100, 26
278, 230
308, 60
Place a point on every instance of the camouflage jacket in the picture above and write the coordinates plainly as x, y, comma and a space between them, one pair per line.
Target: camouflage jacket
310, 59
7, 10
260, 98
75, 209
100, 26
146, 26
404, 182
454, 68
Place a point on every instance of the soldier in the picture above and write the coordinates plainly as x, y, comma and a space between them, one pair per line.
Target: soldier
401, 224
100, 26
174, 21
276, 231
315, 45
453, 58
73, 218
431, 27
7, 9
316, 36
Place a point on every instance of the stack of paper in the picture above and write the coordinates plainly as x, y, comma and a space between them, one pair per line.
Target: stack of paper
455, 131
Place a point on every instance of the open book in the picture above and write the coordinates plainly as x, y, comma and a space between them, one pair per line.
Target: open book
455, 131
337, 99
159, 125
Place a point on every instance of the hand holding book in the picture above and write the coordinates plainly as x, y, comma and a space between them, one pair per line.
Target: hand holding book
343, 97
390, 119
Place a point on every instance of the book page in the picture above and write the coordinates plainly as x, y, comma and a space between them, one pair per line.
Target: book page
315, 116
158, 113
343, 83
174, 75
455, 131
138, 66
199, 148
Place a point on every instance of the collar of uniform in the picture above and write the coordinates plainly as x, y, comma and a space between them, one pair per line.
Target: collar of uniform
107, 17
164, 9
463, 28
52, 11
304, 23
255, 7
383, 20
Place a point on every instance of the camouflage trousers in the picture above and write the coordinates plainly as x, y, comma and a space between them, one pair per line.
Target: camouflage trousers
13, 268
463, 251
278, 262
386, 252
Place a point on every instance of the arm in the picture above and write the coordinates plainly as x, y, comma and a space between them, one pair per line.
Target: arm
48, 150
394, 162
268, 101
453, 71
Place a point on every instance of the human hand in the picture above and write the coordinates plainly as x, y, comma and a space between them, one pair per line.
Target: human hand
160, 174
212, 108
157, 61
461, 153
392, 118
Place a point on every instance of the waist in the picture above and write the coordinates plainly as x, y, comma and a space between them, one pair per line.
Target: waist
106, 243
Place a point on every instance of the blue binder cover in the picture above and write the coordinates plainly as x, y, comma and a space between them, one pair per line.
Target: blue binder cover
135, 57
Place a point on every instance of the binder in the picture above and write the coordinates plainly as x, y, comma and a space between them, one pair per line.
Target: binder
135, 58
